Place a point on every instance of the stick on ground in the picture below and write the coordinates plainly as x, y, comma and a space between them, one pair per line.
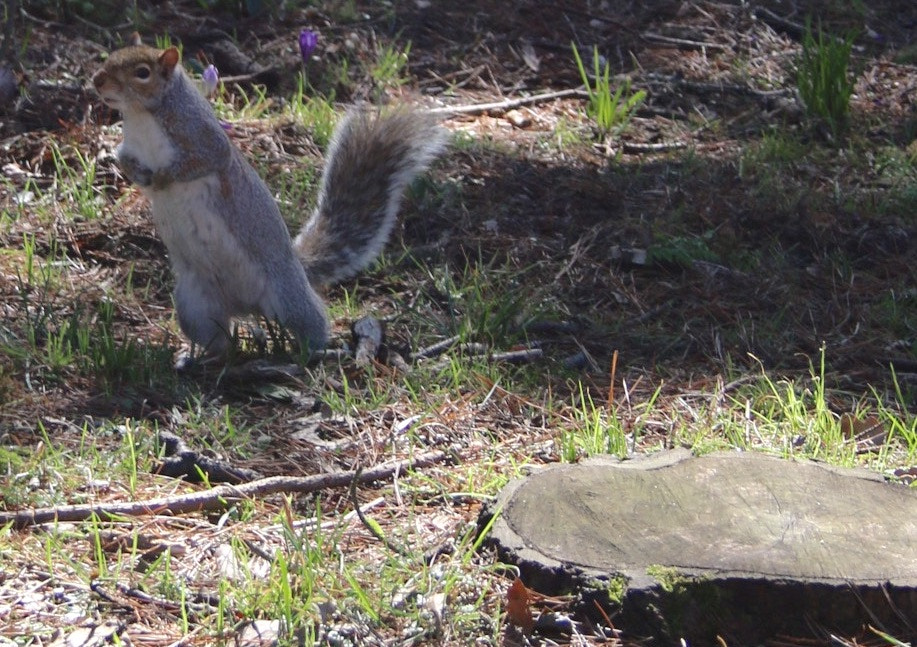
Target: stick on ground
218, 498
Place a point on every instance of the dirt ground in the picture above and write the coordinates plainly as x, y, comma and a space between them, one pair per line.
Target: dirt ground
705, 241
717, 79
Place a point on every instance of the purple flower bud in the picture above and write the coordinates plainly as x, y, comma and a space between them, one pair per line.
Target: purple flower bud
307, 41
211, 78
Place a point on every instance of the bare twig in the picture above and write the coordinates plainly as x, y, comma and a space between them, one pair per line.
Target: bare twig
218, 498
167, 605
792, 29
681, 42
508, 104
715, 87
260, 369
240, 78
779, 23
434, 350
517, 356
634, 147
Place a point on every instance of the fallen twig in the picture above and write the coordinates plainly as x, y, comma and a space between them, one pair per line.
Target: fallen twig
508, 104
634, 147
717, 87
779, 23
183, 462
436, 349
517, 356
218, 498
681, 42
261, 369
792, 29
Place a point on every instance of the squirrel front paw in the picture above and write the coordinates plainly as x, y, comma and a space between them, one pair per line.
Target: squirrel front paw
135, 171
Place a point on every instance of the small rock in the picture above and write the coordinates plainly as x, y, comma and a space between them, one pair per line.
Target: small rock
518, 119
260, 633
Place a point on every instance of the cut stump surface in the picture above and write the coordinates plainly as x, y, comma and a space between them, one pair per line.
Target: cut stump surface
732, 544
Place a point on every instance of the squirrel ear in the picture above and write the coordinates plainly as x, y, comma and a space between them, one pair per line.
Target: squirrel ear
168, 60
135, 39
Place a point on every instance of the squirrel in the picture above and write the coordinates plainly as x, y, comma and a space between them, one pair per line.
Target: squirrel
228, 245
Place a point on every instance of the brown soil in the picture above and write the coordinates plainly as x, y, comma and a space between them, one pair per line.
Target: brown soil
682, 244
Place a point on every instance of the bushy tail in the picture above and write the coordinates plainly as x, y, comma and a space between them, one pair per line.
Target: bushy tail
369, 163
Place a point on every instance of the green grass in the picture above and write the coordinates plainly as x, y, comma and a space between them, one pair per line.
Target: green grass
824, 78
77, 186
682, 250
388, 71
565, 136
313, 581
87, 337
593, 430
611, 110
316, 113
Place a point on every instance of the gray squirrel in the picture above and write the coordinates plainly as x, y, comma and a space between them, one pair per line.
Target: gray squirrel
229, 247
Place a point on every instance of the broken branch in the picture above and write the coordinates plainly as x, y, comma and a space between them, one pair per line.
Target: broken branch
218, 498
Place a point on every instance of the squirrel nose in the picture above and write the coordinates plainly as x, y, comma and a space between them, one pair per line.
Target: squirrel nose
98, 79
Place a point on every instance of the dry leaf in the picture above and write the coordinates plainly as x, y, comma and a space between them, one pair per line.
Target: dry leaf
518, 606
868, 433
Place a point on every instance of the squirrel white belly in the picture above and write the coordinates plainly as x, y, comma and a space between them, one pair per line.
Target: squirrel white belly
228, 244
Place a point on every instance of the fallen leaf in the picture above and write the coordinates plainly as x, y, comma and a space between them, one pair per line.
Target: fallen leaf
868, 433
518, 606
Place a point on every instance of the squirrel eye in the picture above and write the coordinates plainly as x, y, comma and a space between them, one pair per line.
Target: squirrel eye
142, 72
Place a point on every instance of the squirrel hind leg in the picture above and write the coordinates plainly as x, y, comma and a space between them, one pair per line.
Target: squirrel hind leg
202, 317
299, 309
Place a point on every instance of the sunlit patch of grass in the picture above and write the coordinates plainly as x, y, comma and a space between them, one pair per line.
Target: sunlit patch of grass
244, 104
564, 136
592, 430
390, 65
76, 187
611, 110
316, 113
52, 473
800, 418
305, 564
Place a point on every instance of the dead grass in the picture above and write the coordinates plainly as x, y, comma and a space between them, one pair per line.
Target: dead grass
717, 271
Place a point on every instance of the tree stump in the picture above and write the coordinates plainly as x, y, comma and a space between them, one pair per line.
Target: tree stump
738, 545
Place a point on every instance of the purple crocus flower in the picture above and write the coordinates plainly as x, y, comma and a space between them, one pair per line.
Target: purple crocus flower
211, 77
308, 39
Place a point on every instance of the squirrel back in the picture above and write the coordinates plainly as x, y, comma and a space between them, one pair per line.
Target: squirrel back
371, 160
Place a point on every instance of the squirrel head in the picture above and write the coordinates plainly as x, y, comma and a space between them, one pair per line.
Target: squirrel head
136, 77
